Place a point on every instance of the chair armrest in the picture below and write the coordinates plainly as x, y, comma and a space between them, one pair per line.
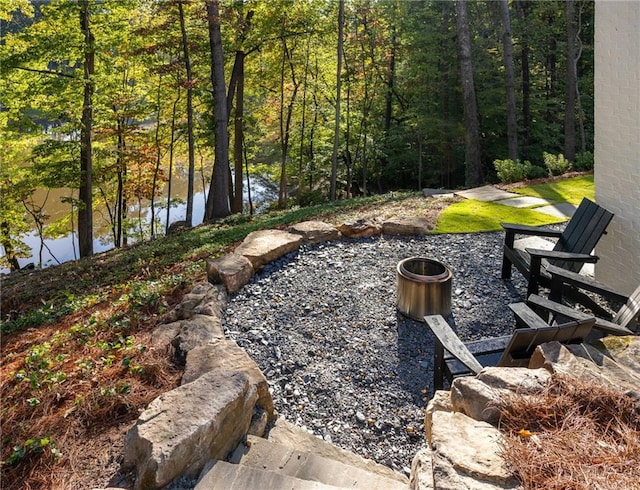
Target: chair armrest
566, 256
526, 317
584, 282
450, 341
540, 303
513, 228
611, 328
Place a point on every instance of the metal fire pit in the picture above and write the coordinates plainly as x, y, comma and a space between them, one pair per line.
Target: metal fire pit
424, 288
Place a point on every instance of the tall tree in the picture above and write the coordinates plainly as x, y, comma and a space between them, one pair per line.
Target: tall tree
522, 7
190, 137
571, 82
512, 127
336, 133
217, 205
474, 174
85, 213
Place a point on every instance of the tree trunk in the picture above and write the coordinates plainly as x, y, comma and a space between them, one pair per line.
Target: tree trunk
512, 127
85, 210
474, 175
285, 123
190, 139
171, 149
120, 169
218, 199
156, 170
523, 6
570, 96
238, 136
336, 133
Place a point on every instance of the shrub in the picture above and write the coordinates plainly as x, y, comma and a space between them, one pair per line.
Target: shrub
556, 164
512, 171
584, 161
537, 172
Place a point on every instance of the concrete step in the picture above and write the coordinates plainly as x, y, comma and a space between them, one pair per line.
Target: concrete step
220, 475
288, 434
270, 456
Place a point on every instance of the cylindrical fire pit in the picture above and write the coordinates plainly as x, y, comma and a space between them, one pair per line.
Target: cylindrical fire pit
424, 288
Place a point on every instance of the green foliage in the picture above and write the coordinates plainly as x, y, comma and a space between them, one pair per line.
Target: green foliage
556, 164
512, 171
32, 447
584, 161
537, 172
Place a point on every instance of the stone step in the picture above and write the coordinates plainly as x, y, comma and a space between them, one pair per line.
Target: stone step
288, 434
220, 475
270, 456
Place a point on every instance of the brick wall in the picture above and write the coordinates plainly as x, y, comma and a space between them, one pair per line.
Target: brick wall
617, 139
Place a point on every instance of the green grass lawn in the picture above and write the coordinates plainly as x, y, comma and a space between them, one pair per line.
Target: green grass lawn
472, 216
570, 190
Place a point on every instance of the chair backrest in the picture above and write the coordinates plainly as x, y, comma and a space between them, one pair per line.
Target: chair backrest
627, 316
524, 340
584, 230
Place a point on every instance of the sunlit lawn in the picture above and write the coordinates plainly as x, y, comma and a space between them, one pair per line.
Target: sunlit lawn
471, 216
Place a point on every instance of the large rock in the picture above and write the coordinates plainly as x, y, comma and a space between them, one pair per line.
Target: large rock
360, 229
479, 396
409, 225
225, 355
163, 335
422, 470
612, 361
466, 454
232, 270
188, 426
204, 299
291, 435
315, 231
262, 247
198, 330
441, 401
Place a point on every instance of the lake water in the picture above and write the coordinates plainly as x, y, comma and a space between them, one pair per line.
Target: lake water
65, 248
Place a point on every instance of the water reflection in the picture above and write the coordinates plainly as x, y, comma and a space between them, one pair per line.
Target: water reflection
65, 249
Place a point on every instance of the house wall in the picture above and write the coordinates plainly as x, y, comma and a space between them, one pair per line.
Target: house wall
617, 139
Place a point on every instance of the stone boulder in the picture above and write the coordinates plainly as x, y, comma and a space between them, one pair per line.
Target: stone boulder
612, 361
422, 470
466, 454
262, 247
360, 229
226, 355
410, 225
198, 330
315, 231
203, 299
183, 429
232, 270
479, 396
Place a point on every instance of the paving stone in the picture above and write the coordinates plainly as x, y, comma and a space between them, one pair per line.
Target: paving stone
523, 202
486, 193
561, 210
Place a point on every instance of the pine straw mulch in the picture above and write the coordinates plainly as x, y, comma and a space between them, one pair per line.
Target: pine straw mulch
576, 435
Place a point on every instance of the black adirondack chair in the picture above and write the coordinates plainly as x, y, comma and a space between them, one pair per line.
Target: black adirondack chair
453, 358
625, 321
571, 251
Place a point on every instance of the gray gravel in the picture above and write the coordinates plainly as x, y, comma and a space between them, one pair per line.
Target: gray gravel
341, 361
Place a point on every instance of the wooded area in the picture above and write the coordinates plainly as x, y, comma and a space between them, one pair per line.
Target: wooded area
330, 99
